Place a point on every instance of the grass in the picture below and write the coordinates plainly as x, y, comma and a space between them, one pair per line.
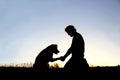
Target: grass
26, 73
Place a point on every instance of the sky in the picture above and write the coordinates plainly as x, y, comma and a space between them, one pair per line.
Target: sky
29, 26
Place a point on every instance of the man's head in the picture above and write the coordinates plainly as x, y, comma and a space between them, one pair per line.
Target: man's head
70, 29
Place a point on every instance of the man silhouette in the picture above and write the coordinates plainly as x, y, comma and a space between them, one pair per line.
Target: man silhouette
77, 62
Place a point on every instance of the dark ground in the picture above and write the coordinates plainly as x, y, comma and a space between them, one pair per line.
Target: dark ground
23, 73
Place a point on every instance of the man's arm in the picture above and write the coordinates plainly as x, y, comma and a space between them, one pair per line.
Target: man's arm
67, 54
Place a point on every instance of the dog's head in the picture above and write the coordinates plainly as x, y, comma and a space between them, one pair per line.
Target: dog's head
53, 48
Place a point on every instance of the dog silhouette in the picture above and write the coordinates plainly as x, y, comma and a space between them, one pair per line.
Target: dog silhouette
44, 57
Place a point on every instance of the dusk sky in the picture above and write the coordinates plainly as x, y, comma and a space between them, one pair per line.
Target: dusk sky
29, 26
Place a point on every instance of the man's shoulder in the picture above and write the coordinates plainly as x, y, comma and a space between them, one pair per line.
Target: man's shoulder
78, 34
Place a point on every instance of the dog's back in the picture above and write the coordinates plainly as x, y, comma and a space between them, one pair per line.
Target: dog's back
42, 59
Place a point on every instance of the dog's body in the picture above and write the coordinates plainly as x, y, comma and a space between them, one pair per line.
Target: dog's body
44, 57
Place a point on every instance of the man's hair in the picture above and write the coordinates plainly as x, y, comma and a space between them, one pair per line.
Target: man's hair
70, 28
